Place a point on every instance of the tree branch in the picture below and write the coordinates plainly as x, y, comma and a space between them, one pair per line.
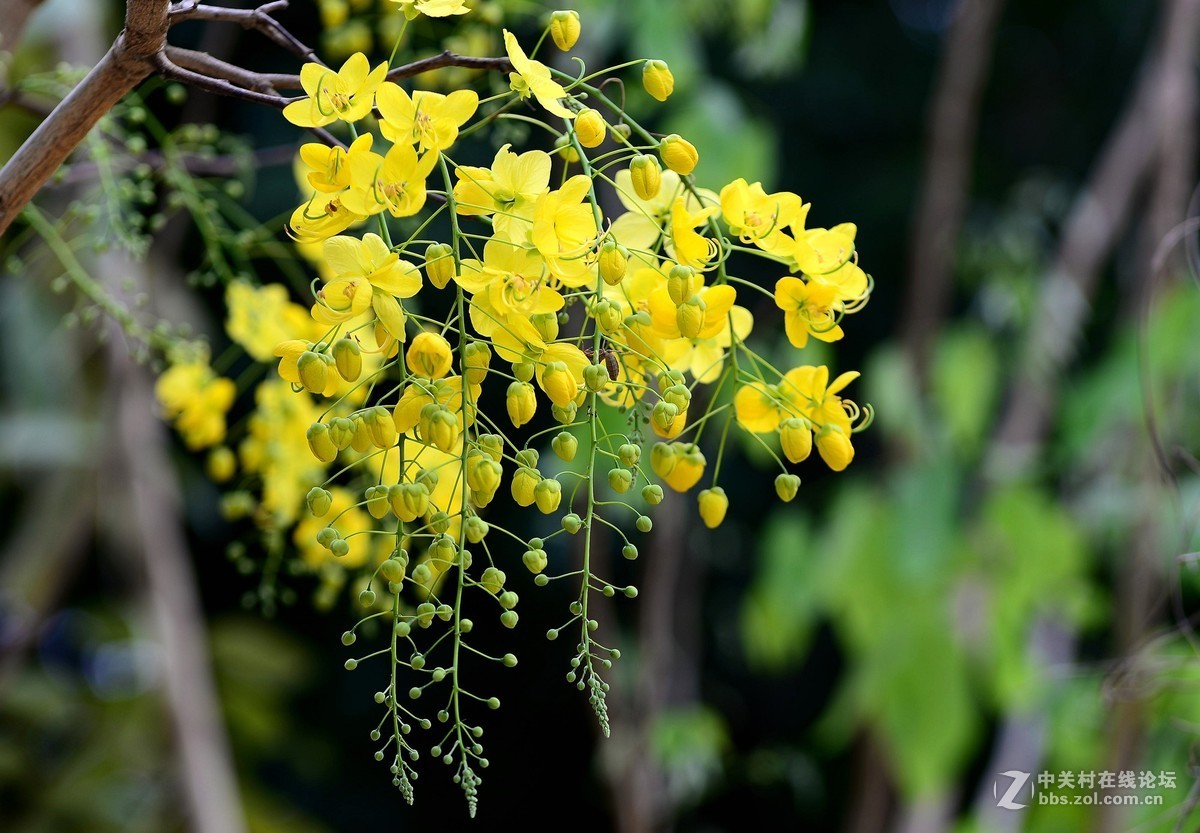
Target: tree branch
122, 68
259, 19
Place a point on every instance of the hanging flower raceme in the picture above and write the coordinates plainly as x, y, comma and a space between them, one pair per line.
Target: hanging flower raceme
579, 360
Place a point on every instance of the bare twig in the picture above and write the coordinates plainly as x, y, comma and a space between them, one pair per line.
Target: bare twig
259, 19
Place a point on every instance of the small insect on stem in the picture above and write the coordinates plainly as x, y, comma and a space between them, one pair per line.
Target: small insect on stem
609, 357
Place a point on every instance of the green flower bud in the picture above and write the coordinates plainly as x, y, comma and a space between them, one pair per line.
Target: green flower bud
629, 454
595, 377
320, 443
786, 486
319, 500
492, 580
620, 480
565, 445
572, 523
534, 560
652, 494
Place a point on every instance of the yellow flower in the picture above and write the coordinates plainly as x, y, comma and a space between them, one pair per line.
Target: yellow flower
809, 309
366, 274
195, 400
327, 171
509, 284
533, 78
711, 304
432, 8
704, 357
430, 356
760, 218
319, 219
428, 120
564, 29
508, 189
395, 181
688, 246
275, 448
564, 231
819, 252
658, 80
347, 94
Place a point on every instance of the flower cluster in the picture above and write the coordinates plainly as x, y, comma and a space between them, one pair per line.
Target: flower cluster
446, 289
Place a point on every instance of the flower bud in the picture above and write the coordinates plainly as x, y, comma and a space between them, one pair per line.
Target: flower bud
567, 150
572, 523
546, 323
680, 466
377, 501
320, 443
658, 80
595, 376
565, 28
652, 494
608, 316
492, 445
565, 445
319, 501
382, 426
689, 317
629, 454
443, 430
492, 580
429, 355
393, 570
478, 358
548, 495
347, 357
341, 431
681, 284
663, 415
524, 484
613, 263
361, 441
439, 522
646, 175
678, 395
428, 478
590, 128
564, 415
559, 384
314, 372
439, 264
786, 486
409, 501
528, 457
534, 560
476, 529
713, 506
669, 378
508, 599
834, 447
521, 403
524, 371
484, 477
620, 480
221, 464
678, 154
796, 439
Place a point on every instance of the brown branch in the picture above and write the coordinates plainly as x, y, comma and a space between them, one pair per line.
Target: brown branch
953, 124
206, 64
173, 72
259, 19
122, 68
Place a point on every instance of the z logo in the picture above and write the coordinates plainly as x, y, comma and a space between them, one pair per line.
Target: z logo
1018, 782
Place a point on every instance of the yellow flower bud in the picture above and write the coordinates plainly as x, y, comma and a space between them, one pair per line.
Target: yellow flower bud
443, 430
689, 317
546, 323
319, 501
713, 506
658, 80
439, 264
523, 484
590, 128
547, 496
377, 501
478, 358
680, 466
608, 316
314, 372
796, 439
565, 446
559, 384
361, 440
409, 501
646, 175
678, 395
521, 403
492, 445
835, 447
678, 154
347, 357
382, 426
682, 284
484, 478
565, 28
595, 377
430, 356
564, 414
613, 263
341, 431
320, 444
